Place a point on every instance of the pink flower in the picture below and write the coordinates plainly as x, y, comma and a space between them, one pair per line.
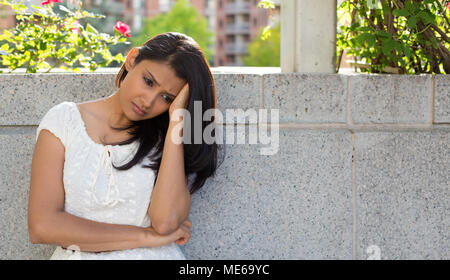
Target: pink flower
50, 1
122, 28
448, 6
77, 26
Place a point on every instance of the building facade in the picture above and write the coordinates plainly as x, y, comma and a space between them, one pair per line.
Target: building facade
235, 22
238, 23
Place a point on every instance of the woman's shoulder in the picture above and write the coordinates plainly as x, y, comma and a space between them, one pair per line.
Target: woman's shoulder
59, 119
64, 113
61, 108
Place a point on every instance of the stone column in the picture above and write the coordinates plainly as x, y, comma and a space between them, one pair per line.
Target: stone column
308, 36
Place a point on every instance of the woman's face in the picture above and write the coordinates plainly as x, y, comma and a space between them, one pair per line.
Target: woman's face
150, 85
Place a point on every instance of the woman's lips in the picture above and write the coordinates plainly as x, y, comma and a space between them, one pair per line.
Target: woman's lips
137, 110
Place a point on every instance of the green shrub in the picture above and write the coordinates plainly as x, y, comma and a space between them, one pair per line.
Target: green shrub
411, 37
43, 39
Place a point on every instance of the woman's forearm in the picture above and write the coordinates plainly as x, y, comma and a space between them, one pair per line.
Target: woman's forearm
170, 200
64, 229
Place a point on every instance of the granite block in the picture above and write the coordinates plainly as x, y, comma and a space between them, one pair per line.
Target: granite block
16, 149
296, 204
442, 99
390, 98
403, 193
307, 97
27, 97
238, 91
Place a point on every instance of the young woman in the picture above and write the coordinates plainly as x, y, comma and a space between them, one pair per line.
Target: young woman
107, 180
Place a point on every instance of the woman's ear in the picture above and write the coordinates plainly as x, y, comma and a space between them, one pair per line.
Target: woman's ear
129, 62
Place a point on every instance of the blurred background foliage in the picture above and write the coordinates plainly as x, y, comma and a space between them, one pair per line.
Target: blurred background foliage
395, 36
183, 18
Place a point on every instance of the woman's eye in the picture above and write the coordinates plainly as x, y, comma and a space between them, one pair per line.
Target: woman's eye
167, 98
148, 81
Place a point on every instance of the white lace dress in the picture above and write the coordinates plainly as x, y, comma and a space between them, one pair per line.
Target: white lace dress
96, 191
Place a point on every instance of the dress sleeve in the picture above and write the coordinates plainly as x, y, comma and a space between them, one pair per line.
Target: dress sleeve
55, 122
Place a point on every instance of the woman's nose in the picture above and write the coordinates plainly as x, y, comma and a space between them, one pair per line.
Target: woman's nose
148, 100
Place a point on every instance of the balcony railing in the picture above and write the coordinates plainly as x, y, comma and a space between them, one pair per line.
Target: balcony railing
238, 27
236, 48
236, 8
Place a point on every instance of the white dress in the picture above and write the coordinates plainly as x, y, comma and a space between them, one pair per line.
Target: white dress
96, 191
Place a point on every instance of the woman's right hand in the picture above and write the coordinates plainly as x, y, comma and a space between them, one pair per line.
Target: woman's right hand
180, 236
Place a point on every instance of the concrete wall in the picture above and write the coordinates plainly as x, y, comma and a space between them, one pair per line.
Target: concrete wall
308, 36
362, 169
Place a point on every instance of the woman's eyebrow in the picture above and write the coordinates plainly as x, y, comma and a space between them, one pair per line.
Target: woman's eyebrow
160, 85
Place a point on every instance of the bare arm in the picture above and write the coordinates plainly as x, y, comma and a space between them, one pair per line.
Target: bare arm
64, 229
49, 224
170, 200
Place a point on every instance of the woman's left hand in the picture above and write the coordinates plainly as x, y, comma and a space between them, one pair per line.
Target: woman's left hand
181, 100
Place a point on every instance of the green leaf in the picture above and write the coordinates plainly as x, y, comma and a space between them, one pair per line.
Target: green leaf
412, 22
410, 7
106, 55
6, 35
407, 51
266, 4
368, 38
42, 45
266, 32
383, 34
388, 45
426, 17
63, 8
364, 29
4, 47
398, 47
402, 13
18, 7
91, 29
119, 57
36, 7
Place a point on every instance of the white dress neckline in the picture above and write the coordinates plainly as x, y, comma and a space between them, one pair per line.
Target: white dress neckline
105, 163
84, 131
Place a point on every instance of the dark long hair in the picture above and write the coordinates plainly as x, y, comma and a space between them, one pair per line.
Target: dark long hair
187, 60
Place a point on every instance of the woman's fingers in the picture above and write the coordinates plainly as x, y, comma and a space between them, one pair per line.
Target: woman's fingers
188, 223
183, 240
185, 233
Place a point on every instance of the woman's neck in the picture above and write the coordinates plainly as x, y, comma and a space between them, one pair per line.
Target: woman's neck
114, 112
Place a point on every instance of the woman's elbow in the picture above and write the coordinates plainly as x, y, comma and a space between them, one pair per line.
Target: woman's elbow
35, 234
164, 228
38, 230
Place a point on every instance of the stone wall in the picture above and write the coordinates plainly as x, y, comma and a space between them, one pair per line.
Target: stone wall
362, 168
